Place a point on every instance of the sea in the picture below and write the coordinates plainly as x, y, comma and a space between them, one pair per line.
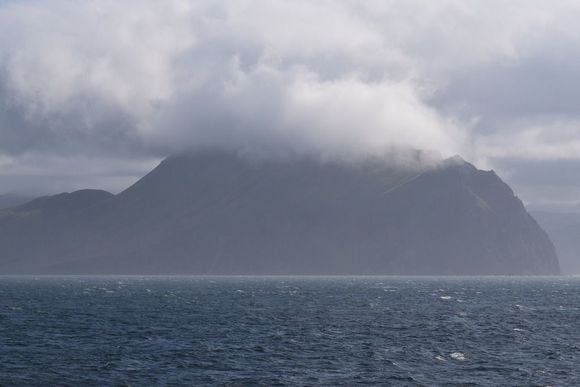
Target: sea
289, 331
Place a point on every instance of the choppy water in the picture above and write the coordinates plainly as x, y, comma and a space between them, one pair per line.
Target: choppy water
289, 331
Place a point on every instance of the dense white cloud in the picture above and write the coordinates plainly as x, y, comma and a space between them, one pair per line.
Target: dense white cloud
300, 75
136, 80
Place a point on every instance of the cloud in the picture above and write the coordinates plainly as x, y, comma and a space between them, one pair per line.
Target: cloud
137, 80
41, 174
538, 140
150, 77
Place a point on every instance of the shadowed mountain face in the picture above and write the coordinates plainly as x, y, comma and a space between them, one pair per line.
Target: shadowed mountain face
218, 213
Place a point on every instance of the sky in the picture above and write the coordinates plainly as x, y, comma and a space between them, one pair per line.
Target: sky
94, 93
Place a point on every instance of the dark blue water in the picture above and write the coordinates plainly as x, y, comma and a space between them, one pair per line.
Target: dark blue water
289, 331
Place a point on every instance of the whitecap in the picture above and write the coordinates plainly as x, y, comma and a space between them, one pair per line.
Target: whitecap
523, 307
440, 358
446, 297
458, 356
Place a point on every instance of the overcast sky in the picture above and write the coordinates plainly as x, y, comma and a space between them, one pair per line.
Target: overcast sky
94, 93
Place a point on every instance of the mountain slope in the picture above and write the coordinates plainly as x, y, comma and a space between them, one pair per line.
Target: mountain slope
219, 213
35, 234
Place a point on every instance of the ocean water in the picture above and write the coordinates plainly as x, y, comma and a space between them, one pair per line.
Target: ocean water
277, 331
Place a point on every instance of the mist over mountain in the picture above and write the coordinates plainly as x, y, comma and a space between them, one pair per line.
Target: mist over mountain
12, 200
564, 230
217, 212
93, 95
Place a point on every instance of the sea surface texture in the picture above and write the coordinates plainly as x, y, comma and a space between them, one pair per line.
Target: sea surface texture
277, 331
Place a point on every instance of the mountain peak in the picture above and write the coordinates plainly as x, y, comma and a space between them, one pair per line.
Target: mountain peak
455, 160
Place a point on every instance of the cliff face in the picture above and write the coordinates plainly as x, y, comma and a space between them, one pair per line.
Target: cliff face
470, 222
217, 213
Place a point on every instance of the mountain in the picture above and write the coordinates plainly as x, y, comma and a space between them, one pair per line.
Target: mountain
564, 230
33, 234
220, 213
12, 200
